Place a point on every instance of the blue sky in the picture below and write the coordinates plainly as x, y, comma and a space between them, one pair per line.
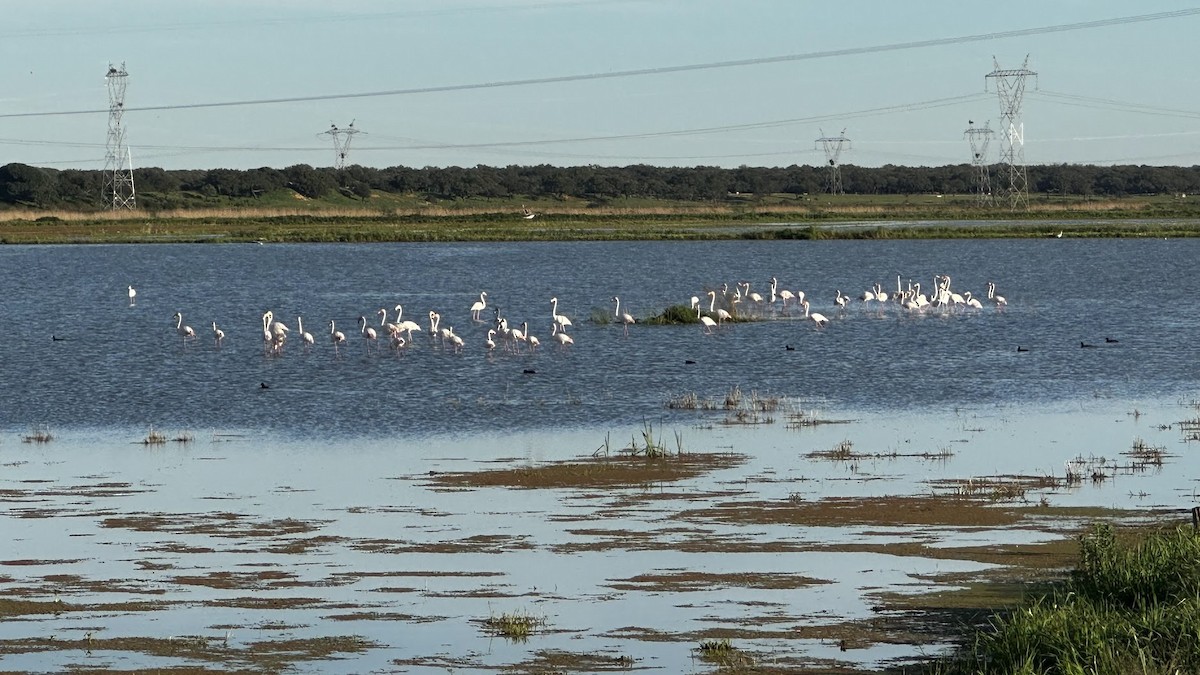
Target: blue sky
1126, 92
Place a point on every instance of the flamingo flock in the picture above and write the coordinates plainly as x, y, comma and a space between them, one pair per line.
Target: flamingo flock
723, 308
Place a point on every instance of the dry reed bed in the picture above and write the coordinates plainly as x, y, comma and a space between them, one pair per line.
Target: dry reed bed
51, 216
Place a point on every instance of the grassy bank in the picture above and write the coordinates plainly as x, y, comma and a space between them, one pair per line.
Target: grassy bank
1131, 606
385, 218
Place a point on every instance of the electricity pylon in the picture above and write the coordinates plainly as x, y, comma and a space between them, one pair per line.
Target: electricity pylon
833, 146
341, 143
1010, 86
118, 160
980, 137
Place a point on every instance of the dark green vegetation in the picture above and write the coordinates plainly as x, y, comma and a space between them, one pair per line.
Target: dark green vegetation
159, 189
1131, 606
359, 204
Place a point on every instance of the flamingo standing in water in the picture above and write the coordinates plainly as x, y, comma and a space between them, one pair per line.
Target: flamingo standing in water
336, 336
307, 338
817, 317
132, 296
184, 331
368, 333
562, 338
218, 334
560, 320
478, 306
722, 315
625, 317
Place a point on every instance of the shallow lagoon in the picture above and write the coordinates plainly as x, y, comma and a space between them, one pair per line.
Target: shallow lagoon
315, 507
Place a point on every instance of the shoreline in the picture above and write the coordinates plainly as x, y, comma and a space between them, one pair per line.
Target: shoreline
570, 227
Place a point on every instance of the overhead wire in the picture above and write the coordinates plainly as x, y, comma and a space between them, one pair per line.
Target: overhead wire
640, 72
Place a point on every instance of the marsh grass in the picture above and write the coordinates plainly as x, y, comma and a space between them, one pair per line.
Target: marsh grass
600, 316
1132, 605
740, 407
515, 626
722, 653
800, 419
673, 315
154, 437
650, 447
843, 451
1143, 454
38, 434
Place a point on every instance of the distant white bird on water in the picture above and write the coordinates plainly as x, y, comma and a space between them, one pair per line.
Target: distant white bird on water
132, 295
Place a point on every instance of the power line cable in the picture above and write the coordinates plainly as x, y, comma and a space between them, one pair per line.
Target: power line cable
662, 70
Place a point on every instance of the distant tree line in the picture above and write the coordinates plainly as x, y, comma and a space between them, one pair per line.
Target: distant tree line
21, 184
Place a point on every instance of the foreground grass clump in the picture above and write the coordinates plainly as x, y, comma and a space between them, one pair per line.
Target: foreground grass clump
675, 314
724, 654
1132, 606
516, 626
39, 434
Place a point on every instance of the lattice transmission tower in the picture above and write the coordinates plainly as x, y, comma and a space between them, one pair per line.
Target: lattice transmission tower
341, 143
833, 146
118, 160
980, 138
1010, 86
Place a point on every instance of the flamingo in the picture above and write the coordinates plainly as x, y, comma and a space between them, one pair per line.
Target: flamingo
307, 338
368, 333
218, 334
434, 320
519, 336
841, 300
454, 339
786, 295
407, 326
336, 336
625, 317
490, 342
526, 213
266, 318
562, 338
972, 302
559, 319
185, 331
709, 324
756, 298
722, 315
387, 327
998, 299
277, 328
132, 295
817, 317
774, 284
479, 306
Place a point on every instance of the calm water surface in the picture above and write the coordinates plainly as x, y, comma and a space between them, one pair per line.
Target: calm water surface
123, 366
344, 441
